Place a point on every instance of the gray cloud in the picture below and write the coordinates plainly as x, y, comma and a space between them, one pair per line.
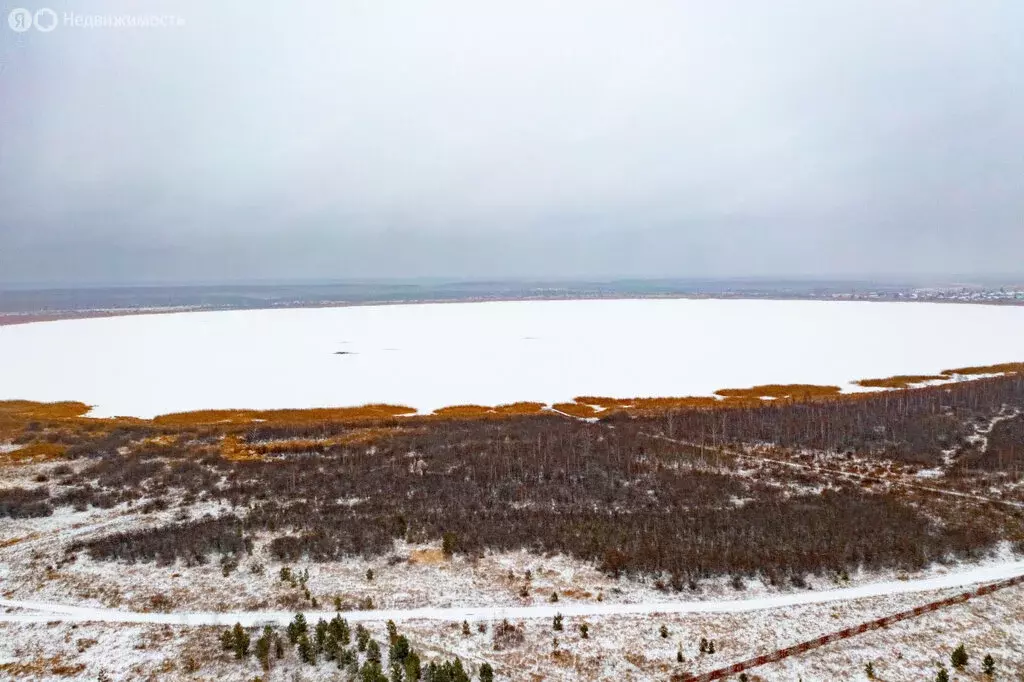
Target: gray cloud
466, 139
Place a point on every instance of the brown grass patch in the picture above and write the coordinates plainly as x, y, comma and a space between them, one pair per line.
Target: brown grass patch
10, 542
485, 412
427, 557
782, 392
283, 417
899, 381
575, 409
675, 403
42, 667
35, 452
463, 411
520, 408
601, 401
232, 449
1002, 368
27, 409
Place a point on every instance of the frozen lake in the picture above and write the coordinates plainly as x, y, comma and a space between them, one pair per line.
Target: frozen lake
433, 355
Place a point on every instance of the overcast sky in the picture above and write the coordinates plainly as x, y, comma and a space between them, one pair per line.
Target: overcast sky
470, 139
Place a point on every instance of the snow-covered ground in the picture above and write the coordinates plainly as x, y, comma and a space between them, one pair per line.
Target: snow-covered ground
89, 617
619, 647
36, 611
432, 355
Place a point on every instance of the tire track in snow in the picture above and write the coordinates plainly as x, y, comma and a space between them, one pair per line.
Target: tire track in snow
36, 612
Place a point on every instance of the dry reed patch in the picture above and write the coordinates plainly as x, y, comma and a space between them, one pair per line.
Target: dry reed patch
899, 381
16, 414
284, 417
463, 411
27, 409
782, 392
10, 542
35, 452
232, 449
523, 407
1002, 368
41, 666
575, 409
601, 401
427, 557
675, 403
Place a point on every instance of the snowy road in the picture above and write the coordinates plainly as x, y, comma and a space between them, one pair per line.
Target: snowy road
34, 612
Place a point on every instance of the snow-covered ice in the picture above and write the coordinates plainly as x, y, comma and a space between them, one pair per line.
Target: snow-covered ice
432, 355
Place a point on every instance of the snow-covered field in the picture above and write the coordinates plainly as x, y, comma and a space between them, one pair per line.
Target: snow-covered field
37, 611
432, 355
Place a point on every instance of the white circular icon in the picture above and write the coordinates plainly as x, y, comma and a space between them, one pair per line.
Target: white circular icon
20, 20
45, 20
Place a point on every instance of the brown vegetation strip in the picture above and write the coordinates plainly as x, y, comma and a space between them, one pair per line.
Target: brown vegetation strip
781, 391
1002, 368
575, 410
900, 380
314, 415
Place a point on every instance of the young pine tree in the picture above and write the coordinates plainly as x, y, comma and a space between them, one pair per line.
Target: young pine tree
362, 638
988, 665
297, 628
320, 635
458, 673
371, 672
399, 650
449, 543
240, 641
942, 675
373, 651
486, 672
556, 623
959, 657
307, 654
339, 630
412, 667
263, 646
